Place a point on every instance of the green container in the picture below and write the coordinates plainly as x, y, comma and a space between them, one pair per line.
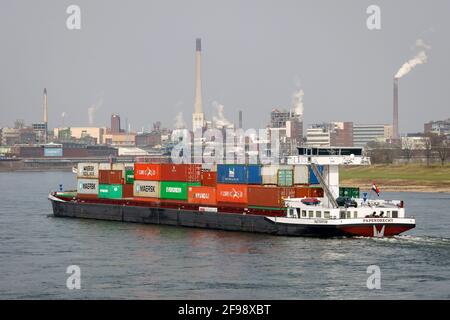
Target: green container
129, 176
103, 191
285, 177
352, 192
115, 191
110, 191
176, 190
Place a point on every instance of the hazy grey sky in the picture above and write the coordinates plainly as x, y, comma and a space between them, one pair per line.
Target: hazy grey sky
138, 57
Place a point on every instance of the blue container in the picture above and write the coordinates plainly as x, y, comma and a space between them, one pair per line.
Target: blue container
254, 174
312, 177
232, 173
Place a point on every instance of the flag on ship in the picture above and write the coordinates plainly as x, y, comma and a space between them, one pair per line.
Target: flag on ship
375, 189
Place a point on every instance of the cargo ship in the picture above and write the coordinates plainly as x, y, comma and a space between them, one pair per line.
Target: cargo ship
301, 198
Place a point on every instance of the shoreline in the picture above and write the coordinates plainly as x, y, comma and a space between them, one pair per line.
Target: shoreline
397, 186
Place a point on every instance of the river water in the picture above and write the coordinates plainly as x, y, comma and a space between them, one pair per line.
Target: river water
131, 261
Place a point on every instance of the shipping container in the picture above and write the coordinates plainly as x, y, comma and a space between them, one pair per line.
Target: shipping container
118, 166
231, 193
110, 176
212, 167
232, 173
87, 186
105, 166
285, 178
103, 191
301, 174
254, 174
181, 172
270, 173
115, 191
127, 190
265, 196
209, 178
110, 191
147, 171
306, 192
129, 176
144, 189
87, 170
316, 192
82, 196
175, 189
167, 172
312, 177
352, 192
202, 195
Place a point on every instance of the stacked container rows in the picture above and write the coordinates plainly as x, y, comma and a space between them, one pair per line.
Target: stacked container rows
256, 186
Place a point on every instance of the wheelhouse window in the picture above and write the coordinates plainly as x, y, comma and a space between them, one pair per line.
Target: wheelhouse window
394, 214
355, 214
318, 214
304, 213
326, 214
311, 214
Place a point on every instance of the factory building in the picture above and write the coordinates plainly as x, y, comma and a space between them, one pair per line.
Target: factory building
365, 133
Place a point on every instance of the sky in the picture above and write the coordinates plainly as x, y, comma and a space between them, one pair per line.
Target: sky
136, 58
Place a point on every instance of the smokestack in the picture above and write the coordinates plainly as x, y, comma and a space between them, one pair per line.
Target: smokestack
240, 119
198, 76
45, 107
395, 110
198, 119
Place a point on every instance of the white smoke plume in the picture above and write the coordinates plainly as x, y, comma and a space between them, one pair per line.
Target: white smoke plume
297, 102
93, 109
219, 120
179, 121
63, 116
420, 58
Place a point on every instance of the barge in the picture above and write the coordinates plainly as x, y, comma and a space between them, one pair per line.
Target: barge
321, 216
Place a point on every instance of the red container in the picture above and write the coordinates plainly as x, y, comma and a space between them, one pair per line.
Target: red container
87, 196
181, 172
263, 196
167, 172
316, 192
306, 192
231, 193
110, 177
127, 190
202, 195
147, 171
209, 178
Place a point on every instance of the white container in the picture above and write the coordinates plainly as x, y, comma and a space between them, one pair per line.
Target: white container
269, 173
87, 186
129, 166
104, 166
146, 189
118, 166
301, 174
87, 170
212, 167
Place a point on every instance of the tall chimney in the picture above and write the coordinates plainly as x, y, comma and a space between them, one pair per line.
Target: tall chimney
240, 119
198, 117
395, 110
45, 107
